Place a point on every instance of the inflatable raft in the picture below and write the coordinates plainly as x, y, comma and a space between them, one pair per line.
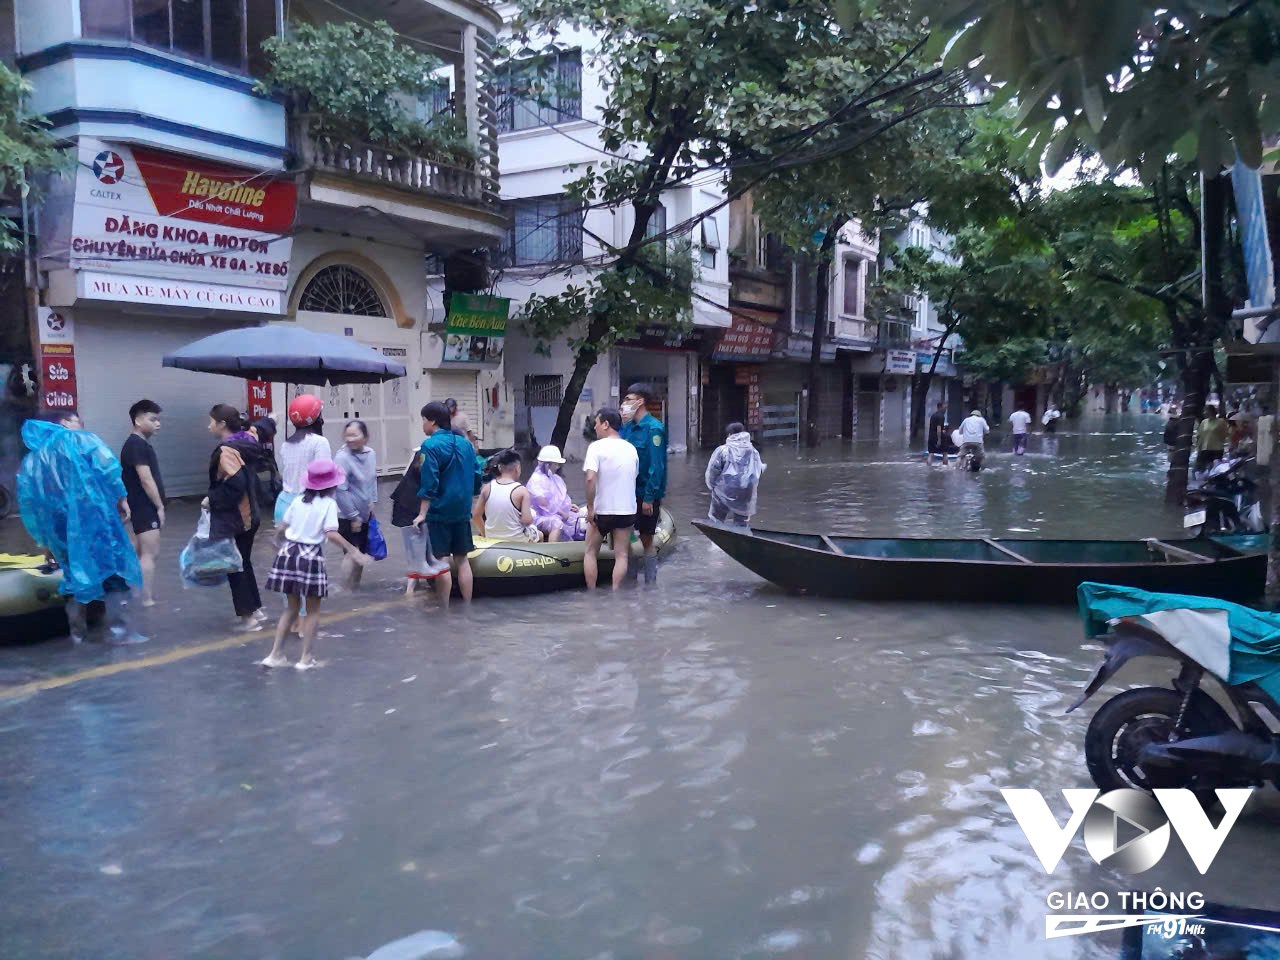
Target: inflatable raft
30, 606
511, 566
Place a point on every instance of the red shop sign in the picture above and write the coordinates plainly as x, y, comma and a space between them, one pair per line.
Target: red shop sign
58, 381
216, 193
259, 399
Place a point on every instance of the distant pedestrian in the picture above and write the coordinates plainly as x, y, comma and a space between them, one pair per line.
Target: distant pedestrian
356, 494
733, 477
973, 431
234, 513
1171, 430
270, 486
504, 510
75, 506
145, 492
444, 497
1210, 438
937, 442
1019, 420
611, 467
298, 571
647, 434
1051, 417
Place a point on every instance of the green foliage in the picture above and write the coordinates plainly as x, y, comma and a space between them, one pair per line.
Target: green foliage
1136, 80
356, 78
27, 150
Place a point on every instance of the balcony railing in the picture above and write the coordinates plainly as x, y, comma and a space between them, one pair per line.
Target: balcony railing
414, 171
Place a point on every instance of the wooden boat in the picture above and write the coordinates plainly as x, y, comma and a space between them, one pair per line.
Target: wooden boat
991, 570
513, 566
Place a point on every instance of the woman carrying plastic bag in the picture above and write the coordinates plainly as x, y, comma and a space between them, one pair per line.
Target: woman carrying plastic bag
206, 562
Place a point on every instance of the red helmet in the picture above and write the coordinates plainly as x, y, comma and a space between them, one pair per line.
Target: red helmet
305, 410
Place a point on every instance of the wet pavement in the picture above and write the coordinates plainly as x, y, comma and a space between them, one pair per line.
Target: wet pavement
708, 768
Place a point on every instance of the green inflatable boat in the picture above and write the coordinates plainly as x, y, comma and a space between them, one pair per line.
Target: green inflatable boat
513, 566
30, 606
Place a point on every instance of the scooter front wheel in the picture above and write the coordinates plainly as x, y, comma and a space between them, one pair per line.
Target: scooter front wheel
1130, 721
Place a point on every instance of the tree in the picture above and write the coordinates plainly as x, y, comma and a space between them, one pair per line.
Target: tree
27, 151
696, 87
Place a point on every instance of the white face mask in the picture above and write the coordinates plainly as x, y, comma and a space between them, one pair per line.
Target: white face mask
628, 411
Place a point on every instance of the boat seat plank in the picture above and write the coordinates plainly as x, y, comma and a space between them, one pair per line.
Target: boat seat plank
1176, 553
831, 545
1005, 550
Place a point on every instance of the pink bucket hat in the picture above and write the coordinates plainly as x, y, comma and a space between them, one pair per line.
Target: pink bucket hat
323, 474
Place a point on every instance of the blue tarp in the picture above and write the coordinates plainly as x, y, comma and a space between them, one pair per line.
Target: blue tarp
1255, 636
68, 487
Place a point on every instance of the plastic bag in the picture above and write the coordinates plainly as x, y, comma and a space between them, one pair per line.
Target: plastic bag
377, 544
206, 563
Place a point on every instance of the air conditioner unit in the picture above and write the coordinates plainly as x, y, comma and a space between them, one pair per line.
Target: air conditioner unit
831, 329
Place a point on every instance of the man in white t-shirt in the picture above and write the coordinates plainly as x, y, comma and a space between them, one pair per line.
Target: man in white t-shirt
1020, 420
611, 466
973, 430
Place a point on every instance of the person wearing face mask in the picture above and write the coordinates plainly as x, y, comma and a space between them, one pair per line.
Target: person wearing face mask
647, 434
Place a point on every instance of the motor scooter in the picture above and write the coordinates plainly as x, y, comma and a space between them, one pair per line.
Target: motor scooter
1150, 738
1224, 500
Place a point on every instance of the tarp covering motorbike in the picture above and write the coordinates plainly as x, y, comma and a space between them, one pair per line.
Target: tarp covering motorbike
68, 487
1252, 638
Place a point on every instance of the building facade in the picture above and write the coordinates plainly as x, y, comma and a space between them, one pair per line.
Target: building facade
197, 205
550, 245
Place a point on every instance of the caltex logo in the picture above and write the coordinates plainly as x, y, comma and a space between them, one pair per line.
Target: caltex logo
108, 167
56, 322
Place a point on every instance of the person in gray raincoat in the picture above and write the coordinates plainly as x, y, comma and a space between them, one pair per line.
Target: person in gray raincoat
733, 477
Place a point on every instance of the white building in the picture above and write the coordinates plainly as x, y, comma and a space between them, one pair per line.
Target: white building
540, 138
303, 230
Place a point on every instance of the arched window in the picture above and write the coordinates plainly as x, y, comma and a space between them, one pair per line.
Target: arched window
342, 289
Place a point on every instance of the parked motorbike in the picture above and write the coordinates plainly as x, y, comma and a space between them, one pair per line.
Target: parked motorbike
1224, 500
1151, 737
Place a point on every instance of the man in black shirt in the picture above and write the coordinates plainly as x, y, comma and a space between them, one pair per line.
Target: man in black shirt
145, 492
937, 431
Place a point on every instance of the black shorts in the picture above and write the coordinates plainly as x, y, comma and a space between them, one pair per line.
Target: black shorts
450, 538
648, 524
358, 540
143, 515
606, 523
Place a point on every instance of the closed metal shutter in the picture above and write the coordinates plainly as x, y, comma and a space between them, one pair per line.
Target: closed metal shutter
464, 387
118, 362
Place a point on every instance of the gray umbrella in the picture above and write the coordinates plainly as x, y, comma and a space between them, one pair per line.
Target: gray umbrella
286, 354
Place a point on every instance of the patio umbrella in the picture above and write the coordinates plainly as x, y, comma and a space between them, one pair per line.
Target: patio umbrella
286, 354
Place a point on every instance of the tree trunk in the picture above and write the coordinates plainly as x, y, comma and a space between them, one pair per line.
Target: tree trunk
1195, 379
920, 392
583, 361
1109, 392
821, 304
1272, 597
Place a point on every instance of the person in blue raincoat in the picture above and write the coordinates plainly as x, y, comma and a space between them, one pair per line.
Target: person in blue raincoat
72, 502
646, 433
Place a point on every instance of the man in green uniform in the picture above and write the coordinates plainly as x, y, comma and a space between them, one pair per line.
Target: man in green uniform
647, 434
444, 496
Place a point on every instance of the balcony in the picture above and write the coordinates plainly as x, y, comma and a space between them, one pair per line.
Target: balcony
418, 172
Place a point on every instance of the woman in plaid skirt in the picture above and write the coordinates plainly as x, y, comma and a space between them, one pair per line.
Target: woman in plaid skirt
298, 570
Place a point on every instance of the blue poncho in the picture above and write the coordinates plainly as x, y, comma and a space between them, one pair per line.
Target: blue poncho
68, 487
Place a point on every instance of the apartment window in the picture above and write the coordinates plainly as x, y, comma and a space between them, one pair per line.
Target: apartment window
436, 105
543, 230
853, 287
538, 91
225, 33
710, 242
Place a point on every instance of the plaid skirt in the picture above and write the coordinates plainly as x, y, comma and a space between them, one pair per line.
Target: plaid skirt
299, 568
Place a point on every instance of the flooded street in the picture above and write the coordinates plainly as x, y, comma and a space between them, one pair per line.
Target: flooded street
708, 769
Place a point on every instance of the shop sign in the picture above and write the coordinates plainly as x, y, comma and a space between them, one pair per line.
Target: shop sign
945, 368
91, 285
658, 336
746, 339
475, 328
58, 389
899, 361
750, 378
259, 397
151, 213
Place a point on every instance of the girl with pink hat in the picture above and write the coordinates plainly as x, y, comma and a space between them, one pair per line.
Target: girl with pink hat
298, 571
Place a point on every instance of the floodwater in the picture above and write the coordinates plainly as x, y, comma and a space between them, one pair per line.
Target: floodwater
707, 769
